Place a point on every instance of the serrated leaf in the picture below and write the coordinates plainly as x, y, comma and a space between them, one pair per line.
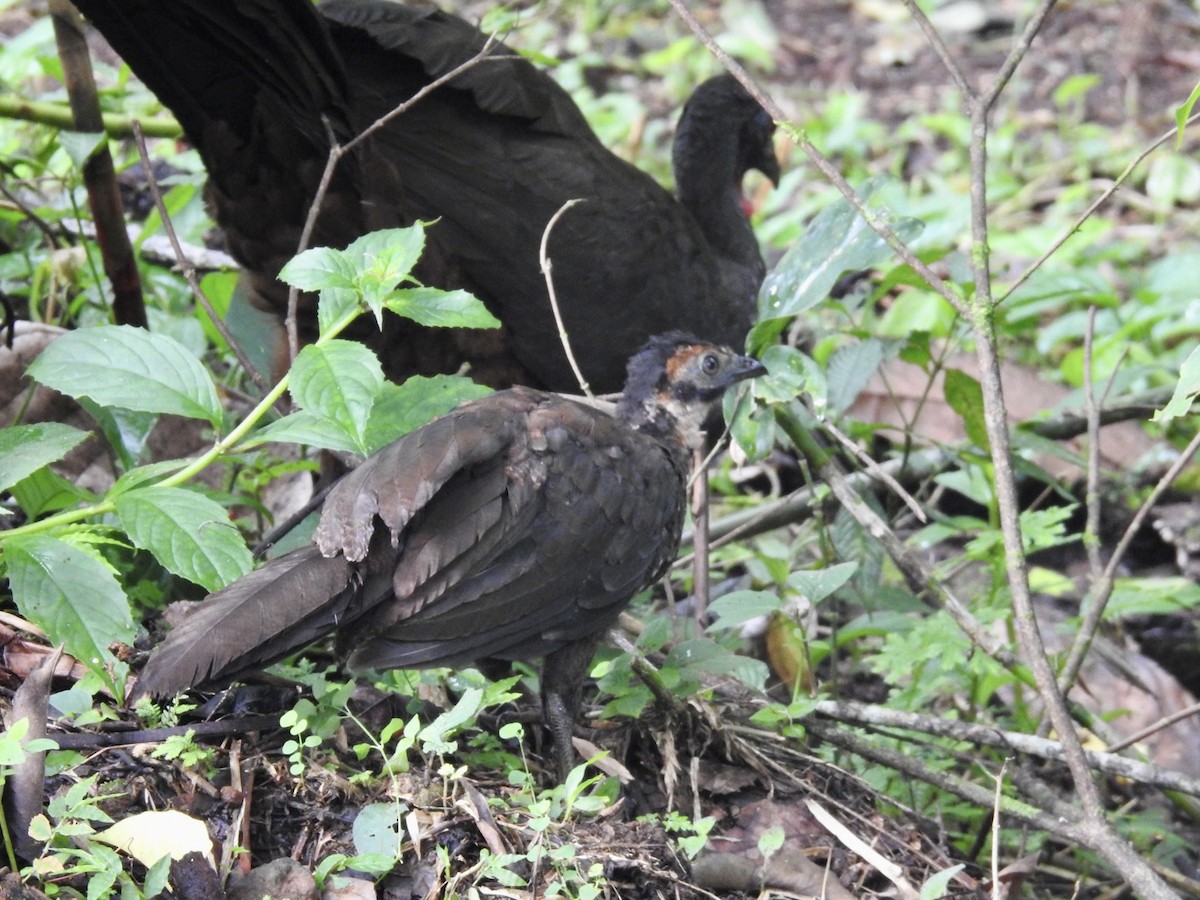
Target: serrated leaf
45, 491
838, 240
401, 408
441, 309
71, 594
187, 532
118, 365
26, 448
965, 397
310, 429
339, 381
383, 259
319, 268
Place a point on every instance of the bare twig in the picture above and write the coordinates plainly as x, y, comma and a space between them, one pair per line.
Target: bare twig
939, 47
336, 152
1091, 531
548, 271
1091, 210
700, 583
189, 270
1099, 594
983, 735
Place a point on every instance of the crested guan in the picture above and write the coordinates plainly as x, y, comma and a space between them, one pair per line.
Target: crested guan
517, 526
260, 86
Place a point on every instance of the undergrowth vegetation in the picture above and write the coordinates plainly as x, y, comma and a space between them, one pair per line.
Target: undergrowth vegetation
840, 597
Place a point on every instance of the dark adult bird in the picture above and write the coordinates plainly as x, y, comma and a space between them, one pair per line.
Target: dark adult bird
261, 86
518, 526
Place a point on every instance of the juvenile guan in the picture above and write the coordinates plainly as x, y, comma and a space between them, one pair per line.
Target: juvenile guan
517, 526
261, 87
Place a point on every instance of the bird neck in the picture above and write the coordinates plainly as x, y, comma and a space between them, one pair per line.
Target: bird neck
708, 180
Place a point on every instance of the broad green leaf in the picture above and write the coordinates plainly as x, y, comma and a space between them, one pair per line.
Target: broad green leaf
71, 593
965, 397
738, 607
318, 269
838, 240
125, 430
307, 428
45, 491
26, 448
817, 584
187, 532
402, 408
339, 381
379, 829
1186, 390
441, 309
706, 657
849, 370
118, 365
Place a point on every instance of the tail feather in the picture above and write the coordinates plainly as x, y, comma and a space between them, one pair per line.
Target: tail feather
269, 614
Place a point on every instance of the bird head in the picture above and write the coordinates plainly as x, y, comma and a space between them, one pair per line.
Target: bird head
673, 381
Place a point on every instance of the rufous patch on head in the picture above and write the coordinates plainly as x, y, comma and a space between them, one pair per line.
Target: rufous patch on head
680, 358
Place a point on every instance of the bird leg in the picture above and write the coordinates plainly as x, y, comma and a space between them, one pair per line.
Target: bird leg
562, 691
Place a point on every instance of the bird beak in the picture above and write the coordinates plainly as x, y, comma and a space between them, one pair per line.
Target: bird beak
745, 367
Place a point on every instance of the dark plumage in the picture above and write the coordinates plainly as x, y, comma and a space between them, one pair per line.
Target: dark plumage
517, 526
491, 157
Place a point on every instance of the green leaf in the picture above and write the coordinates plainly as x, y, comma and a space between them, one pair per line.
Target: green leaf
965, 397
318, 269
383, 259
937, 885
118, 365
338, 381
441, 309
310, 429
1184, 113
817, 584
187, 532
838, 240
46, 491
1186, 390
849, 370
26, 448
738, 607
80, 145
401, 408
71, 593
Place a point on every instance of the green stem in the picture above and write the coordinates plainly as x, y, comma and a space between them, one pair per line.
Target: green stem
197, 465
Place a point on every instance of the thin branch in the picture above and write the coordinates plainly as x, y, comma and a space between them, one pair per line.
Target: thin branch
1091, 530
189, 270
1097, 598
982, 735
1096, 204
547, 271
1009, 66
336, 152
943, 53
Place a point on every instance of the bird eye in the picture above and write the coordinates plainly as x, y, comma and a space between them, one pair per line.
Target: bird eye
710, 364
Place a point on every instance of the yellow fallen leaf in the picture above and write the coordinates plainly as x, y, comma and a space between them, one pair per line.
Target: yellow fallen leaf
149, 836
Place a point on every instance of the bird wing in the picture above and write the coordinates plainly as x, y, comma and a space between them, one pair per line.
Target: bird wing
588, 513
